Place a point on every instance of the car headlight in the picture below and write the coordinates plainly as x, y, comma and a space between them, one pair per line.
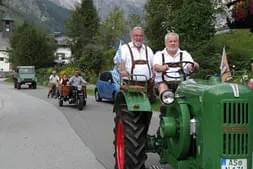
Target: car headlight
167, 97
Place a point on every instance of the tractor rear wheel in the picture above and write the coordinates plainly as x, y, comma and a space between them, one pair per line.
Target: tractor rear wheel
130, 138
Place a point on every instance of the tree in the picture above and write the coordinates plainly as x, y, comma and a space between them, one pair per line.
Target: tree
193, 20
83, 26
134, 20
155, 16
112, 28
30, 46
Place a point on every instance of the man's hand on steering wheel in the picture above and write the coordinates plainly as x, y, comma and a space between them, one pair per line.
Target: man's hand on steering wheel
193, 67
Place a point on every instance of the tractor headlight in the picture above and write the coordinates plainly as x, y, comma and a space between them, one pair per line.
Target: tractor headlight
167, 97
79, 87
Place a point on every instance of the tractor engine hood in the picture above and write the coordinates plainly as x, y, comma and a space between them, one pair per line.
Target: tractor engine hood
197, 87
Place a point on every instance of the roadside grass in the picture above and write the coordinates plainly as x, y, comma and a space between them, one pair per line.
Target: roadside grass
237, 39
90, 92
9, 80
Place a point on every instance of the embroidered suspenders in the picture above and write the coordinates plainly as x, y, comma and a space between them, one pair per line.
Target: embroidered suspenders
139, 62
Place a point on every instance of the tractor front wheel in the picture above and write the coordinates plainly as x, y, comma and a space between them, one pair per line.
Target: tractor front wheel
130, 138
80, 103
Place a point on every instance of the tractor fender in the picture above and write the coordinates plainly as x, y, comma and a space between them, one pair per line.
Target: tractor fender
136, 101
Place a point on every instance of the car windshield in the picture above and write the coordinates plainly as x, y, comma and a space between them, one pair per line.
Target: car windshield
26, 70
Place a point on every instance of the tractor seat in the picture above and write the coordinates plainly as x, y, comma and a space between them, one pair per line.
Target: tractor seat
132, 87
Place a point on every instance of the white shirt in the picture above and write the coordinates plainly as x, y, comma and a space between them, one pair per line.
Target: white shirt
53, 79
171, 59
140, 69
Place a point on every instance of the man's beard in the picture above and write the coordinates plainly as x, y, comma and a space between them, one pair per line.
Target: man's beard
137, 44
171, 49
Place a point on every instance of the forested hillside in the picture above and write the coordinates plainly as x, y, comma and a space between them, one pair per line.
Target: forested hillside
42, 12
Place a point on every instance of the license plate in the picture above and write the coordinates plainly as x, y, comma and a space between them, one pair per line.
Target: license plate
233, 163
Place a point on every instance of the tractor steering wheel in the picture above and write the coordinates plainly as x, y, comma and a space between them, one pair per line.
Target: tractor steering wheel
181, 65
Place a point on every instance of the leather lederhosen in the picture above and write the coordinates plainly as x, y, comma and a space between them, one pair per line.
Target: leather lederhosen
138, 62
142, 62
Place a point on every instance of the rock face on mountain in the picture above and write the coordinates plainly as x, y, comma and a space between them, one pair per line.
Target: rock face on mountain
38, 8
104, 7
53, 13
69, 4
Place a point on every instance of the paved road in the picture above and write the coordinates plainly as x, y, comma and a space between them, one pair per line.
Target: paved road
93, 125
34, 134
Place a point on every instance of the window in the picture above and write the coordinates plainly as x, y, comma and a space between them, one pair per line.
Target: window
106, 76
26, 70
60, 56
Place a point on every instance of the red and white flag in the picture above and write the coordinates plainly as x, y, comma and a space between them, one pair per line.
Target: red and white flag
224, 68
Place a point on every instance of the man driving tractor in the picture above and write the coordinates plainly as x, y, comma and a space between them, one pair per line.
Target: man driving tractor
171, 54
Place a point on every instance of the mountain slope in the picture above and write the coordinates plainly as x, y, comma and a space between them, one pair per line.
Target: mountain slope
52, 14
41, 12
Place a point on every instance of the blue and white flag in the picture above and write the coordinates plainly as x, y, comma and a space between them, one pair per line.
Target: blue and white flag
116, 75
117, 56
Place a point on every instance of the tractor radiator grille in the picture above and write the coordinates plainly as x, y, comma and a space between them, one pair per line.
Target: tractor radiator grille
235, 144
236, 113
235, 128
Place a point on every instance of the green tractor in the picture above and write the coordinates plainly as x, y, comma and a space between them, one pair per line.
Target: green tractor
204, 124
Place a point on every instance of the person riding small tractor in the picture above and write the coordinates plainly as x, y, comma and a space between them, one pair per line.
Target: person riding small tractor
73, 95
205, 124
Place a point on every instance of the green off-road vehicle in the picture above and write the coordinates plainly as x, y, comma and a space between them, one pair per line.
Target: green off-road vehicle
25, 75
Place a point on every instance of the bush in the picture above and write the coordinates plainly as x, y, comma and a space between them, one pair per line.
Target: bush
44, 73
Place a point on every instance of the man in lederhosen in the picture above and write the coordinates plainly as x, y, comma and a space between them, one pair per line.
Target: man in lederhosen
137, 58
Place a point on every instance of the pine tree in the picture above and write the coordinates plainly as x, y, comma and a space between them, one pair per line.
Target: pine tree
83, 26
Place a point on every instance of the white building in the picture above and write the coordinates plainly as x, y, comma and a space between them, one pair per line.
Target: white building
7, 29
4, 61
4, 54
63, 53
